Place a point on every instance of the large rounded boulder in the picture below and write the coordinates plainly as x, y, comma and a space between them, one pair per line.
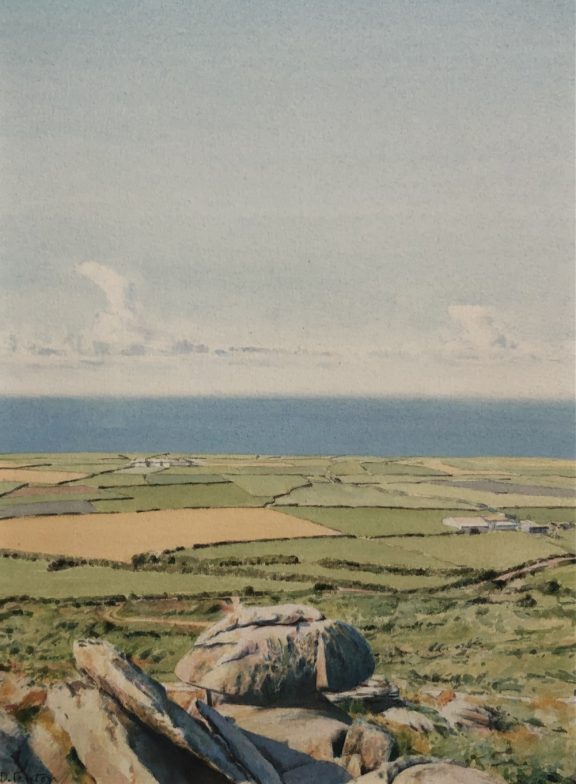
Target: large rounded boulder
274, 655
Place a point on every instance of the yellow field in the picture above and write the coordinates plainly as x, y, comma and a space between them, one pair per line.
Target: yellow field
118, 537
38, 477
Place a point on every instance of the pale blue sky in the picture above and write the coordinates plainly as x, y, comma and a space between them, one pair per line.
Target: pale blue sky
377, 196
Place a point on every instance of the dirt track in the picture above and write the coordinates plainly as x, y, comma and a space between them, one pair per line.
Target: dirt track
548, 563
112, 615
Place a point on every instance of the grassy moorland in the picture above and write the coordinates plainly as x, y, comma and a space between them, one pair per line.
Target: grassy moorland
430, 600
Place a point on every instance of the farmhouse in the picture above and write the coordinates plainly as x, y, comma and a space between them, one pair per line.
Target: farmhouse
481, 524
162, 462
505, 525
530, 527
468, 524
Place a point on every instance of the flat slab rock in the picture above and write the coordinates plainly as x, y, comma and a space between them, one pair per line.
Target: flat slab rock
240, 745
277, 655
318, 732
466, 712
422, 770
376, 694
103, 740
409, 718
443, 773
145, 700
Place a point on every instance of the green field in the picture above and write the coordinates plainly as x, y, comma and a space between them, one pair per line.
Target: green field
7, 487
107, 479
500, 550
368, 495
375, 522
268, 484
19, 577
398, 468
533, 466
375, 551
50, 495
544, 514
180, 497
170, 478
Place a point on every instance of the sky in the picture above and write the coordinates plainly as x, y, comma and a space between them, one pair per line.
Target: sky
338, 197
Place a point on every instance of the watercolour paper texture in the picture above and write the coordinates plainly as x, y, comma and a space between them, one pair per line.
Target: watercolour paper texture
287, 423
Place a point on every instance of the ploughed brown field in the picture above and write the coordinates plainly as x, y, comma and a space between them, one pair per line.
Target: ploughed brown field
117, 537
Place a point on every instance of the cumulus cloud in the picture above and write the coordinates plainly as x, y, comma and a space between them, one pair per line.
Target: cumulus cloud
122, 341
118, 290
119, 327
123, 329
478, 333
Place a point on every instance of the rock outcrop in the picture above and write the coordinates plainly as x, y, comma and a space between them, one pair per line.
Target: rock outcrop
258, 705
240, 746
409, 718
108, 743
145, 700
422, 770
375, 695
318, 731
367, 747
277, 655
465, 712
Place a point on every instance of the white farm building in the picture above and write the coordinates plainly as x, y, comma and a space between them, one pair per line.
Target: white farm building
468, 524
530, 527
481, 524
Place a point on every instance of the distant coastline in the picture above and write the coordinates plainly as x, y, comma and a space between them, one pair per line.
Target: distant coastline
290, 425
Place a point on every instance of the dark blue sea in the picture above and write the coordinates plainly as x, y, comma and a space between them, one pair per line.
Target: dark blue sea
300, 426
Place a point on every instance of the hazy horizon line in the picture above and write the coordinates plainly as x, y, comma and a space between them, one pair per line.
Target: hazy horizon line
292, 396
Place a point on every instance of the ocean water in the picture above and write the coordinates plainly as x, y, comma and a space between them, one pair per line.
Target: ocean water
361, 426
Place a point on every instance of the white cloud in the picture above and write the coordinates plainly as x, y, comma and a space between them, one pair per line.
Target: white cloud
124, 349
479, 333
120, 327
119, 292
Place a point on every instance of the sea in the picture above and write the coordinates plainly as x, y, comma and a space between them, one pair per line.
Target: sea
289, 426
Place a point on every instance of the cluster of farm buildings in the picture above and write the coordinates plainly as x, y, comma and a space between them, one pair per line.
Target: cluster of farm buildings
494, 522
162, 462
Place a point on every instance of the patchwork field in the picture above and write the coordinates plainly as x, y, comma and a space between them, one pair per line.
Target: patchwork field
108, 506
